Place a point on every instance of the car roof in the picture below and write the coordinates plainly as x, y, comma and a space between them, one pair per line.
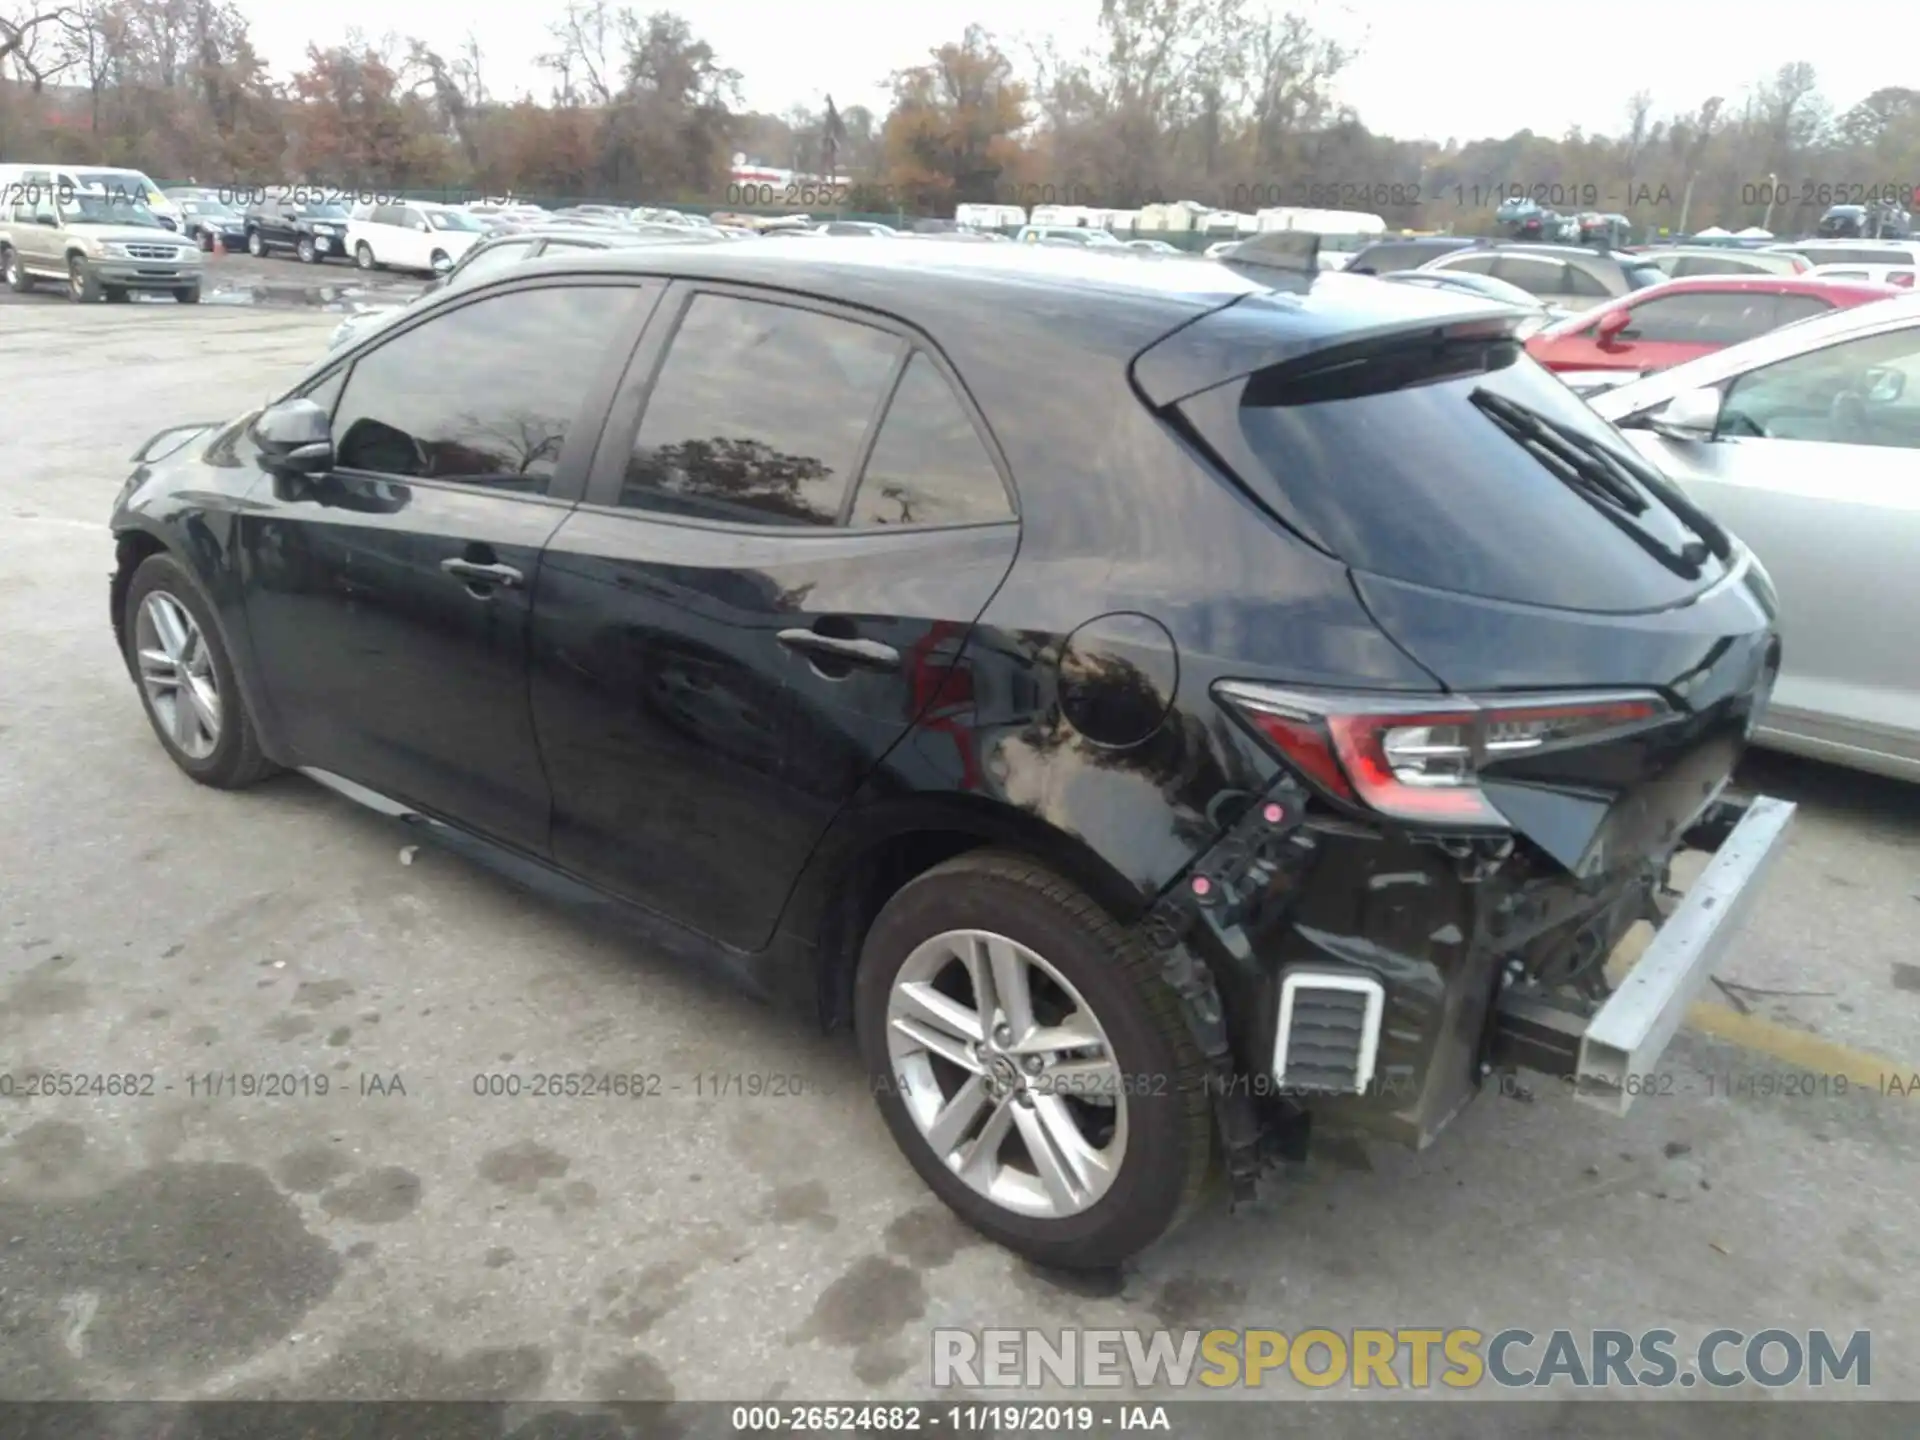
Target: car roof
1776, 284
982, 303
1899, 309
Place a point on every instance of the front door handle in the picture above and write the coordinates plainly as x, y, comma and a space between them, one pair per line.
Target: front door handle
474, 573
870, 653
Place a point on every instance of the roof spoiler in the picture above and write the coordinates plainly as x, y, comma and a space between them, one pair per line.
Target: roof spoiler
1292, 250
1266, 331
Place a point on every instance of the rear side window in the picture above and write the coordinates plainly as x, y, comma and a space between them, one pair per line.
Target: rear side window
759, 414
1472, 264
1579, 282
1702, 319
1532, 274
929, 466
1410, 478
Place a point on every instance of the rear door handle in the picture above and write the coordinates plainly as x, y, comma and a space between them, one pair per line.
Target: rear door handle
474, 573
870, 653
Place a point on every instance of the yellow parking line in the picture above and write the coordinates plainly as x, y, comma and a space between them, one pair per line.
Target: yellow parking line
1796, 1047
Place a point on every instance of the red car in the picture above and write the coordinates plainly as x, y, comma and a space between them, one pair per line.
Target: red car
1665, 324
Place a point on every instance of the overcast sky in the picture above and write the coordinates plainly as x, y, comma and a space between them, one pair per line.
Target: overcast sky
1465, 69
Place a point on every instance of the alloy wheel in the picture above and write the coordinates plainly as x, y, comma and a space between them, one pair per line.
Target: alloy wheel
1007, 1073
176, 671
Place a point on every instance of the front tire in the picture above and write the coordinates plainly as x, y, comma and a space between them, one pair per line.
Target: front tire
256, 247
83, 286
187, 294
363, 256
1031, 1063
187, 683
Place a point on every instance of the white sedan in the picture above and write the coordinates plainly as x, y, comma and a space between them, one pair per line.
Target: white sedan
1805, 443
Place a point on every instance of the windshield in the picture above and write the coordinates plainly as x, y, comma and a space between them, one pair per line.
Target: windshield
90, 209
320, 212
209, 207
452, 220
117, 183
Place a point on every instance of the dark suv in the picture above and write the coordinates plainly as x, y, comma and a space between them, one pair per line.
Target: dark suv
1159, 707
315, 231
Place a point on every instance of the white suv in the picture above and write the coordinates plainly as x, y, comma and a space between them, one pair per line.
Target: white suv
411, 236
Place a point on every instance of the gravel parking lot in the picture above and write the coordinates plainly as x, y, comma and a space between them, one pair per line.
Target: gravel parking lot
401, 1235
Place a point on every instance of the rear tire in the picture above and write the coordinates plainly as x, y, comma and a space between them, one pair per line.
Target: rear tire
117, 295
1141, 1114
195, 657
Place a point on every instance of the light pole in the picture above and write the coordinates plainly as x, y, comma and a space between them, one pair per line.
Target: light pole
1686, 200
1766, 221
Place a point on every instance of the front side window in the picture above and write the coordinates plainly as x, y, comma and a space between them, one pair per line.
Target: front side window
1859, 392
485, 394
929, 466
758, 414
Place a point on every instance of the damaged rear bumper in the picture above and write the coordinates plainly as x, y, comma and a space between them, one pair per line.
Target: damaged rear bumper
1604, 1053
1421, 967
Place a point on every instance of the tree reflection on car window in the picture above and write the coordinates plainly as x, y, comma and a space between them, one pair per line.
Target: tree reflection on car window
485, 394
758, 414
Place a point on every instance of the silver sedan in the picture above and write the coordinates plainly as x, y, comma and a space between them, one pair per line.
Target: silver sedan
1805, 443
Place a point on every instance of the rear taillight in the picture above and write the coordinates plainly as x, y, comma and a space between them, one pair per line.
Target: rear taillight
1419, 760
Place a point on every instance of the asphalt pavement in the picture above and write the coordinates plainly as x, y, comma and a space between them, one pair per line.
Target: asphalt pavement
407, 1235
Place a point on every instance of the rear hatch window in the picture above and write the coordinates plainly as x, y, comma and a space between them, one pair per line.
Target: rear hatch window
1462, 466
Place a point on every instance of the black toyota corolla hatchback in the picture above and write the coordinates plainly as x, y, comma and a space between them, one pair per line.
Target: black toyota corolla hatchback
1167, 710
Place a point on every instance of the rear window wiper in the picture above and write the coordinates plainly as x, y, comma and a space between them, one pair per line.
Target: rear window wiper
1607, 481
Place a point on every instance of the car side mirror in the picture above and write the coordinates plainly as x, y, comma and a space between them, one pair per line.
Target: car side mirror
1614, 323
295, 438
1690, 415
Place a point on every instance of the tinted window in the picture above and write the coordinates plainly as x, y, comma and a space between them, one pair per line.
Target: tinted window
1533, 274
385, 215
1414, 481
758, 414
1581, 282
1787, 309
928, 466
1859, 392
484, 394
1702, 319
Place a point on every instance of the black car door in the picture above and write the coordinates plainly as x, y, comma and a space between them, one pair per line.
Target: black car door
720, 657
389, 599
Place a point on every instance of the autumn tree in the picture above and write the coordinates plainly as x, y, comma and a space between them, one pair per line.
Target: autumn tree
950, 136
